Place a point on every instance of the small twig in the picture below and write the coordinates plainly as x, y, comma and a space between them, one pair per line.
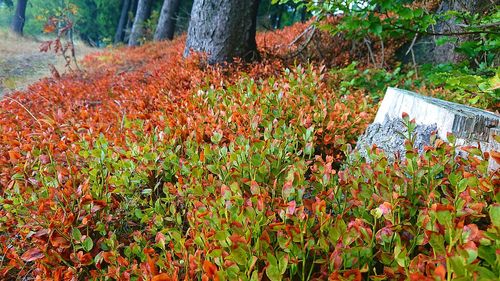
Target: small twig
410, 50
414, 62
301, 35
412, 44
73, 49
370, 52
486, 25
434, 36
33, 116
312, 29
383, 52
123, 111
445, 33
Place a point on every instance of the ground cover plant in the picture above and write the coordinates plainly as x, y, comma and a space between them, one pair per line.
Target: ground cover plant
153, 167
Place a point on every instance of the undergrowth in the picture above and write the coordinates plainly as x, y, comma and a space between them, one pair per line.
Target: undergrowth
152, 167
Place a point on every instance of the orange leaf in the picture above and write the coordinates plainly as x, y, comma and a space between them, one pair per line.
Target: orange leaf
161, 277
49, 28
108, 257
209, 268
353, 274
441, 272
495, 155
59, 241
14, 156
85, 259
32, 254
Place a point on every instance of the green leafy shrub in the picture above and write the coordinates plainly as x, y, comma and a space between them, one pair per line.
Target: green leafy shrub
258, 196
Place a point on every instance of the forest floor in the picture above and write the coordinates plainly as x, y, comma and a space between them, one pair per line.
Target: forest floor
22, 63
151, 166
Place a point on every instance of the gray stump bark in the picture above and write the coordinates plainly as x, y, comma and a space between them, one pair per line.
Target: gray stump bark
223, 29
120, 29
470, 126
138, 26
167, 20
19, 17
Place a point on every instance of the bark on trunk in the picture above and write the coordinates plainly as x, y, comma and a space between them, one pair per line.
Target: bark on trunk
224, 29
130, 20
167, 21
138, 26
303, 14
120, 29
276, 17
19, 17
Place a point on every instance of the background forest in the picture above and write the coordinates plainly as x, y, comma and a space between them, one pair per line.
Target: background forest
227, 150
96, 21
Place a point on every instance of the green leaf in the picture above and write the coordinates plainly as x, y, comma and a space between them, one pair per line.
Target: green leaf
240, 256
76, 234
283, 264
495, 215
485, 274
442, 40
458, 265
444, 217
273, 271
88, 244
473, 253
376, 29
488, 254
437, 243
406, 13
213, 169
462, 185
216, 137
233, 272
401, 256
257, 160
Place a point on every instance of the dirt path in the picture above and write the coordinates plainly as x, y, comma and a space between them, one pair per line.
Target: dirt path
16, 72
22, 63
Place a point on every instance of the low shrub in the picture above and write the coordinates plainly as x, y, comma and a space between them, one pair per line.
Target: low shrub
152, 167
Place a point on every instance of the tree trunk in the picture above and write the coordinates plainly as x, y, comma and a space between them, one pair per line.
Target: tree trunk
303, 14
138, 26
224, 29
120, 29
130, 20
19, 17
425, 48
166, 23
276, 17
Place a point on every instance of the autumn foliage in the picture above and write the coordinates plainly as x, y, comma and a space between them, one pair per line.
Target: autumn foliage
149, 166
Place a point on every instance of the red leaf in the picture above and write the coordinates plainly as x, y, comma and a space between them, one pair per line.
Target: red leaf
98, 205
59, 241
32, 255
236, 239
353, 273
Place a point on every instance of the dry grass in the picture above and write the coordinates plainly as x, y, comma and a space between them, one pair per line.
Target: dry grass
22, 63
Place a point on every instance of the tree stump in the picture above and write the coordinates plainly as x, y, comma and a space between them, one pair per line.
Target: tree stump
471, 126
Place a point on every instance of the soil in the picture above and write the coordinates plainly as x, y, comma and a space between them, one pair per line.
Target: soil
20, 70
22, 63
